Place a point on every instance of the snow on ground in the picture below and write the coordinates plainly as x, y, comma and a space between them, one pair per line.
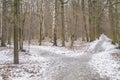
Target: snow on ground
86, 61
102, 60
35, 64
60, 50
4, 56
30, 67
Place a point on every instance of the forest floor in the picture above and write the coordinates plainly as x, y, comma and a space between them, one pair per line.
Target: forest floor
98, 60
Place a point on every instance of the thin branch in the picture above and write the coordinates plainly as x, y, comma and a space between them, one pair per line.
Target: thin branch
106, 7
112, 4
64, 2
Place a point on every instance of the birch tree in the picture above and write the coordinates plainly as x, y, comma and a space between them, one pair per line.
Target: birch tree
54, 26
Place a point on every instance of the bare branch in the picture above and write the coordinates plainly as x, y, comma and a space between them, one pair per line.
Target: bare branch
62, 1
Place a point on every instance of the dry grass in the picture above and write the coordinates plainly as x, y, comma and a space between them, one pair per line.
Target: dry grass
116, 55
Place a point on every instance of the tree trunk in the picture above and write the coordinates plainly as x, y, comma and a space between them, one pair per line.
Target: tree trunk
99, 19
9, 33
41, 22
54, 28
16, 25
112, 22
117, 33
84, 20
21, 28
90, 21
63, 24
4, 28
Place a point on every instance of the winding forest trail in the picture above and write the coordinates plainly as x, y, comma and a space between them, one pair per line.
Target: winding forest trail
62, 67
88, 61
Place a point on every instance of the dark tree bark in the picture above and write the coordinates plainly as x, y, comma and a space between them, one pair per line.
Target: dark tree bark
112, 22
16, 25
54, 27
4, 27
84, 20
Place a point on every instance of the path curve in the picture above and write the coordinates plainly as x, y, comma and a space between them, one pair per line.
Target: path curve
63, 67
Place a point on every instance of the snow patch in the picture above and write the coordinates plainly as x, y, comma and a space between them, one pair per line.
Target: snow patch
102, 44
102, 61
104, 38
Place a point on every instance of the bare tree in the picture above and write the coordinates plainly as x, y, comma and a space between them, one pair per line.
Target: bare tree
63, 20
4, 28
16, 25
54, 28
112, 23
41, 21
84, 20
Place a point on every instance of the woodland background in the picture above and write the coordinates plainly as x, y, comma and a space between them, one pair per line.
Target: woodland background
64, 20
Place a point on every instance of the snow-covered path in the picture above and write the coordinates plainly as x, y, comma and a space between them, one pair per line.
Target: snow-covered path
63, 67
91, 61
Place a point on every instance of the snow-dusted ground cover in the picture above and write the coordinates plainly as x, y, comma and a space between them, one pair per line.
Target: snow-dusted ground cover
41, 63
28, 69
86, 61
102, 60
